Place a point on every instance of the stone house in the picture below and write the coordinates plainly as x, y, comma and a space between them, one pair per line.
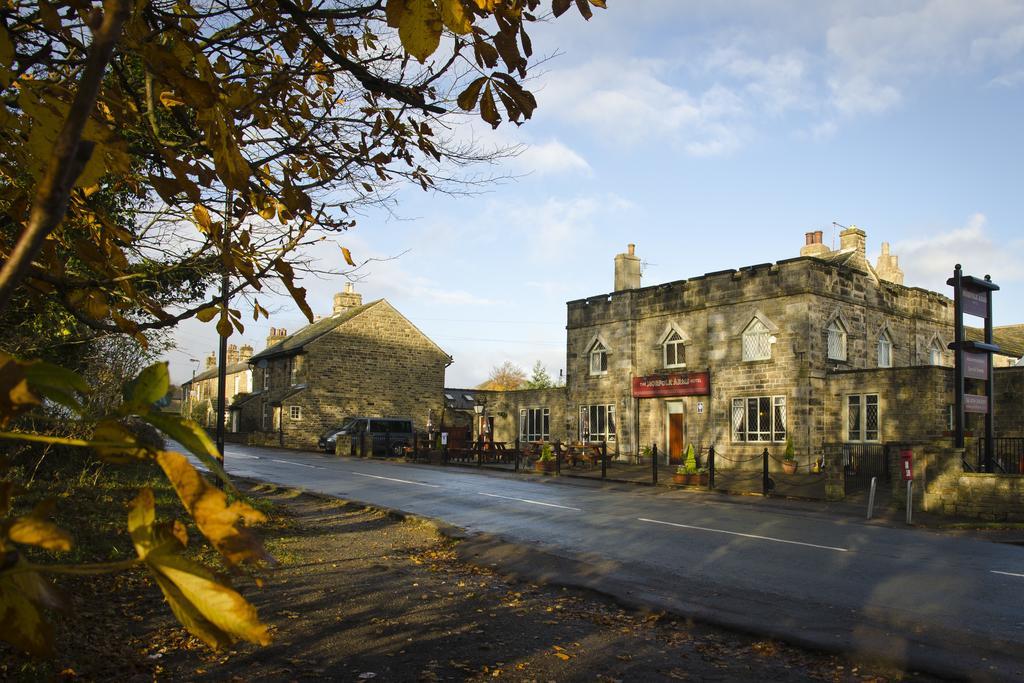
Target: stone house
529, 415
199, 394
362, 360
822, 348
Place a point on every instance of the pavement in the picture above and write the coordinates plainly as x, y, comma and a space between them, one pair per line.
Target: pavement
813, 574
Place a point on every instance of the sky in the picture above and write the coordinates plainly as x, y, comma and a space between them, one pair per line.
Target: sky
713, 136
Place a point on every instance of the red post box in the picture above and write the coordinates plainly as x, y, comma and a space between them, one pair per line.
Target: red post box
907, 464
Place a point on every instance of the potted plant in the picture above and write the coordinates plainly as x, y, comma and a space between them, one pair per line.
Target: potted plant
789, 458
546, 462
688, 474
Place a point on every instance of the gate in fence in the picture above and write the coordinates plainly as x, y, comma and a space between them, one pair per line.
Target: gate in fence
1007, 456
861, 462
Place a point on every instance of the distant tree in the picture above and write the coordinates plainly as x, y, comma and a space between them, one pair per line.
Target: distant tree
505, 377
540, 379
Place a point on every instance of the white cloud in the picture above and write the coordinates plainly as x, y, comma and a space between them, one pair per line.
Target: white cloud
928, 261
550, 157
631, 101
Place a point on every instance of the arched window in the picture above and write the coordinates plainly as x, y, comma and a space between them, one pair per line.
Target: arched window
674, 351
598, 359
935, 353
836, 341
757, 341
885, 351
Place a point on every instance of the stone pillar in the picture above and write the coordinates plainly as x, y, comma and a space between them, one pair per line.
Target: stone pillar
835, 479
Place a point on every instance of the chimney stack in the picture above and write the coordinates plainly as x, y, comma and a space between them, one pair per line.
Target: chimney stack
211, 361
232, 358
627, 270
888, 267
853, 238
244, 353
812, 244
276, 335
347, 299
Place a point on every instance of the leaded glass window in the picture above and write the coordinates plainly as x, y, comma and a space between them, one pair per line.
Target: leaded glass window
863, 417
757, 343
675, 353
534, 424
884, 351
759, 418
597, 423
836, 341
598, 359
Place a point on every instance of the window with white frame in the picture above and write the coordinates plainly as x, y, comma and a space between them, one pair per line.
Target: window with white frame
759, 418
674, 351
267, 413
935, 353
534, 424
862, 417
885, 351
597, 423
598, 359
295, 412
757, 341
836, 341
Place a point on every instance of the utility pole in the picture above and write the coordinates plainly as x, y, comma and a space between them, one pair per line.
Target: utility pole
222, 360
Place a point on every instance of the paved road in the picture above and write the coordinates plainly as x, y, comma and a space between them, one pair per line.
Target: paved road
945, 604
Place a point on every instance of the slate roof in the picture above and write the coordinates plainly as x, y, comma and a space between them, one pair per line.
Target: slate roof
1010, 338
212, 372
293, 343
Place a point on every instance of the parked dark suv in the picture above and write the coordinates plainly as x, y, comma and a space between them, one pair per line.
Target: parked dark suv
377, 435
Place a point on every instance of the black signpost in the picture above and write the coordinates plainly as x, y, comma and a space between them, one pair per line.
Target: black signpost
973, 296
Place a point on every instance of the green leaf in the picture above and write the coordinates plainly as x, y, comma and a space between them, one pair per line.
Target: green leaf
194, 438
149, 387
419, 28
56, 383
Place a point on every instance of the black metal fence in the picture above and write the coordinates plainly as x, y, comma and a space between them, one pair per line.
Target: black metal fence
862, 461
1007, 456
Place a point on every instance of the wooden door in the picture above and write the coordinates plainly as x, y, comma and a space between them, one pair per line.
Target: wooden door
676, 438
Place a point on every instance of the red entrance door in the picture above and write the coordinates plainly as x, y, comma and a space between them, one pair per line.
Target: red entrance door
676, 438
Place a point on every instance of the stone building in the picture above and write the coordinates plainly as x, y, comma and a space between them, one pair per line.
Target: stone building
529, 415
199, 394
362, 360
822, 348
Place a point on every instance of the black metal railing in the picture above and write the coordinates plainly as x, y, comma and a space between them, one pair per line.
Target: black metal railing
862, 461
1007, 456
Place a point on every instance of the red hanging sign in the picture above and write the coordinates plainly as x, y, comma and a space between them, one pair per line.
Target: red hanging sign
674, 384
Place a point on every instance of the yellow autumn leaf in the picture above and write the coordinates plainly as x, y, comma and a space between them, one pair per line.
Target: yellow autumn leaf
347, 255
35, 531
218, 520
169, 99
420, 28
207, 314
202, 216
209, 609
454, 16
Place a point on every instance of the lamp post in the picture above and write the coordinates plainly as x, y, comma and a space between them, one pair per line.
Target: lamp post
192, 387
479, 410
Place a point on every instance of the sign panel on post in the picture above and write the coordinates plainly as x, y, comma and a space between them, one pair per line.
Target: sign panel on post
673, 384
976, 365
974, 301
907, 464
975, 404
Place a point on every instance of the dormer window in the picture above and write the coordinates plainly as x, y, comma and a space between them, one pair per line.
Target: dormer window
935, 353
885, 351
836, 341
598, 359
757, 341
674, 351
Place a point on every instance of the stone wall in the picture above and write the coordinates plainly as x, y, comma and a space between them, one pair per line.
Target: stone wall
504, 407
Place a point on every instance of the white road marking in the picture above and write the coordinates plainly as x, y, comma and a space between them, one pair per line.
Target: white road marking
400, 481
300, 464
527, 500
1007, 573
754, 536
243, 455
